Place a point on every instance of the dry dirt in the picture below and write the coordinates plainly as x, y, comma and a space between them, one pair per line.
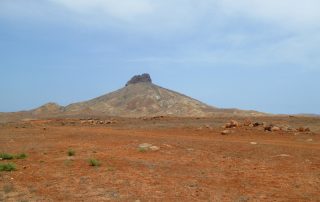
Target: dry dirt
195, 162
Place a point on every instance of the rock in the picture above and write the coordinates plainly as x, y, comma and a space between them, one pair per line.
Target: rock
282, 155
275, 128
253, 143
272, 128
145, 146
256, 124
154, 148
225, 132
268, 128
144, 78
247, 122
309, 140
232, 124
227, 125
302, 129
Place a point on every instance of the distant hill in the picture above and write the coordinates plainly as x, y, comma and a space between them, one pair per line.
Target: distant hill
139, 98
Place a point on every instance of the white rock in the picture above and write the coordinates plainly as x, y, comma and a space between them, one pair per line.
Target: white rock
145, 146
154, 148
254, 143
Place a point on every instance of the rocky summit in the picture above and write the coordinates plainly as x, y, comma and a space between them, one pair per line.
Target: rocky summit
143, 78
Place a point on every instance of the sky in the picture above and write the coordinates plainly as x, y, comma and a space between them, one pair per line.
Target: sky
247, 54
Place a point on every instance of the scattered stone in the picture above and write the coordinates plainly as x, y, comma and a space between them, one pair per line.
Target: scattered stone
256, 124
167, 145
232, 124
268, 128
247, 122
302, 129
154, 148
272, 128
275, 128
226, 132
145, 146
282, 155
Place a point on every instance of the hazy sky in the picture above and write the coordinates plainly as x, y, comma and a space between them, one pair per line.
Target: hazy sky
248, 54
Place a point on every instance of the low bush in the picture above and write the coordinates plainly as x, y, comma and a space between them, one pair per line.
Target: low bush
6, 156
94, 162
71, 152
7, 167
21, 156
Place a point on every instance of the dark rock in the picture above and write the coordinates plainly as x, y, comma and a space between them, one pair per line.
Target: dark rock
143, 78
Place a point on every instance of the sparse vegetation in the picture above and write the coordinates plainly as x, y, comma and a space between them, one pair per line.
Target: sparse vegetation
21, 156
6, 156
94, 162
71, 152
141, 149
7, 167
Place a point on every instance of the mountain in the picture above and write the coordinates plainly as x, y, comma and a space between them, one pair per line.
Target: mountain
141, 98
138, 98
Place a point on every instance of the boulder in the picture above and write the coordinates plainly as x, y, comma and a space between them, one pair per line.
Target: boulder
232, 124
247, 122
154, 148
225, 132
275, 128
256, 124
302, 129
145, 146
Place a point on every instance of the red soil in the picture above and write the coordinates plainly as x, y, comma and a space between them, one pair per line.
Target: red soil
192, 164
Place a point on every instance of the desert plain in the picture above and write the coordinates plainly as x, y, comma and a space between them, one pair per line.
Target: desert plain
190, 159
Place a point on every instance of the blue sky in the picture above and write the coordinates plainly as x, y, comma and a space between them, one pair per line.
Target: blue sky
249, 54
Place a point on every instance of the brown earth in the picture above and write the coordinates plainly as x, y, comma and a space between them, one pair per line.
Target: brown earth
195, 162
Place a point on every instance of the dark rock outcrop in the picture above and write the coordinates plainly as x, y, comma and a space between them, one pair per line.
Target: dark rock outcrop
143, 78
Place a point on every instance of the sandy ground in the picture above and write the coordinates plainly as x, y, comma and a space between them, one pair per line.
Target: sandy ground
195, 162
